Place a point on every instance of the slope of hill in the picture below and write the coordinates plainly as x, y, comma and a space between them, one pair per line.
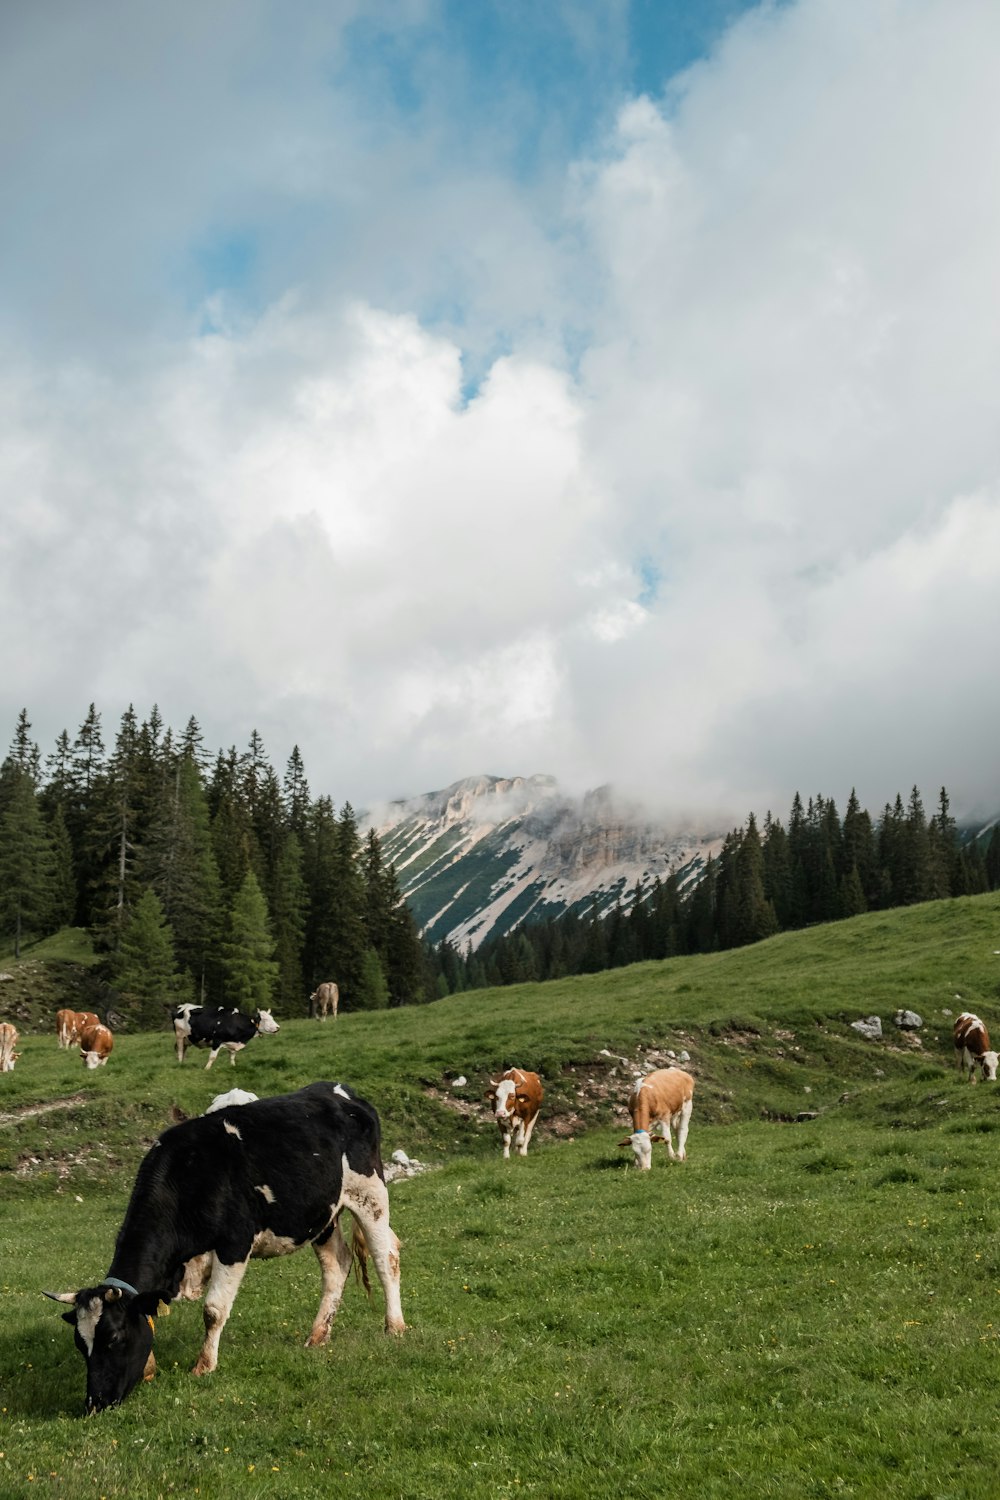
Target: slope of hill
483, 854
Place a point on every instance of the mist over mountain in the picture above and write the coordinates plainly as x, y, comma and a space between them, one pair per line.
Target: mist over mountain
486, 853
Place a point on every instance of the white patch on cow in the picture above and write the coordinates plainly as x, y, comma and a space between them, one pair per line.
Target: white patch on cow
93, 1059
267, 1245
235, 1096
989, 1065
342, 1092
87, 1319
266, 1024
232, 1129
504, 1104
262, 1188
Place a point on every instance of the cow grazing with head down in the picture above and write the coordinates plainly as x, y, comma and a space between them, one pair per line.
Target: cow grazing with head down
217, 1027
252, 1180
96, 1043
663, 1098
8, 1045
515, 1102
71, 1023
324, 998
972, 1048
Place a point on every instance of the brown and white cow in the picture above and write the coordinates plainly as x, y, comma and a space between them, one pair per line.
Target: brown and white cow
70, 1024
663, 1098
8, 1045
325, 997
96, 1043
515, 1101
972, 1047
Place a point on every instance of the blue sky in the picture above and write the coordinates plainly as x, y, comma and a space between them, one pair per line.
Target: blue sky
597, 390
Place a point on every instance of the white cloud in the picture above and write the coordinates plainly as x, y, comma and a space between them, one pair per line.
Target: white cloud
719, 522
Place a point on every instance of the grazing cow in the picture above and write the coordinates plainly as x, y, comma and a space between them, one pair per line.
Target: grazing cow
323, 998
515, 1101
216, 1027
96, 1043
8, 1044
972, 1047
663, 1098
255, 1180
71, 1023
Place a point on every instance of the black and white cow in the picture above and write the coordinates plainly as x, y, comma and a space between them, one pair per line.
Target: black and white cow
218, 1026
250, 1180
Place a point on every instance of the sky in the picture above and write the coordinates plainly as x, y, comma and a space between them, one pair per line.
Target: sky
605, 390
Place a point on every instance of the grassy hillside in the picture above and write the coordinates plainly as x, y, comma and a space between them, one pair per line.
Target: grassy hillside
806, 1307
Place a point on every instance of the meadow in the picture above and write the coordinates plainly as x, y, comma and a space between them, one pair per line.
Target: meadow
808, 1307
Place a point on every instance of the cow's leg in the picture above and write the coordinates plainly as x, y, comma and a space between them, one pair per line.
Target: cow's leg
526, 1133
181, 1045
212, 1056
334, 1256
220, 1295
368, 1200
505, 1134
682, 1119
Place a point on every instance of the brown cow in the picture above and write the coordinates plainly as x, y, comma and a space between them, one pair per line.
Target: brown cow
70, 1024
323, 998
662, 1098
8, 1045
972, 1048
96, 1043
516, 1100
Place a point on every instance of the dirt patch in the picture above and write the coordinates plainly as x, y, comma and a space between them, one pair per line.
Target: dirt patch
28, 1111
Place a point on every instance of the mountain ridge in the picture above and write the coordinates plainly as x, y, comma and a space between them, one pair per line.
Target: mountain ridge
478, 857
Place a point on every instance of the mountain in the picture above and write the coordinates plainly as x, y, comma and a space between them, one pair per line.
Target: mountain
487, 853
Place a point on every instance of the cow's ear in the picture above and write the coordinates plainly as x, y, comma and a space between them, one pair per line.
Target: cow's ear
69, 1317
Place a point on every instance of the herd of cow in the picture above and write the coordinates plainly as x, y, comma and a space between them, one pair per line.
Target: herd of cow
256, 1178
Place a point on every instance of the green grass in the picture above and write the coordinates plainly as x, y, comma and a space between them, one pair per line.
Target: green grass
802, 1309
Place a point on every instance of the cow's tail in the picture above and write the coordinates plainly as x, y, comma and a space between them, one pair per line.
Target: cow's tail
359, 1249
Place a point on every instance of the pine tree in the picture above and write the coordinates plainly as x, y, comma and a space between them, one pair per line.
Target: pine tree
25, 860
993, 859
145, 966
178, 862
24, 753
85, 768
372, 990
249, 968
290, 911
295, 790
63, 886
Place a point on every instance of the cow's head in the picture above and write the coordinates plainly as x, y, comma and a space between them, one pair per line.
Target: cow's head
266, 1024
92, 1059
988, 1063
501, 1096
642, 1145
113, 1330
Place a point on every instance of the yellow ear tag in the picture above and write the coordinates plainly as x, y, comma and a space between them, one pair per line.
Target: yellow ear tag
152, 1325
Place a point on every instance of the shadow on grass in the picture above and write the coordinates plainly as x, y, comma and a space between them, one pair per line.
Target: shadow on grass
39, 1380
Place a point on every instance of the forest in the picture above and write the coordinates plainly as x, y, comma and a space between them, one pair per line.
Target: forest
818, 867
199, 877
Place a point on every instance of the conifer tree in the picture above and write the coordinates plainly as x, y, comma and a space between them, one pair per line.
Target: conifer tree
289, 914
249, 969
25, 859
145, 966
178, 862
62, 887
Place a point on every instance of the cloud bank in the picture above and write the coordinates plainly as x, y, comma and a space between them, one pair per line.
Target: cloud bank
672, 463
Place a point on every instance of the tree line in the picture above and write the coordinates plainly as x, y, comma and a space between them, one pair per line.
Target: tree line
200, 877
817, 867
